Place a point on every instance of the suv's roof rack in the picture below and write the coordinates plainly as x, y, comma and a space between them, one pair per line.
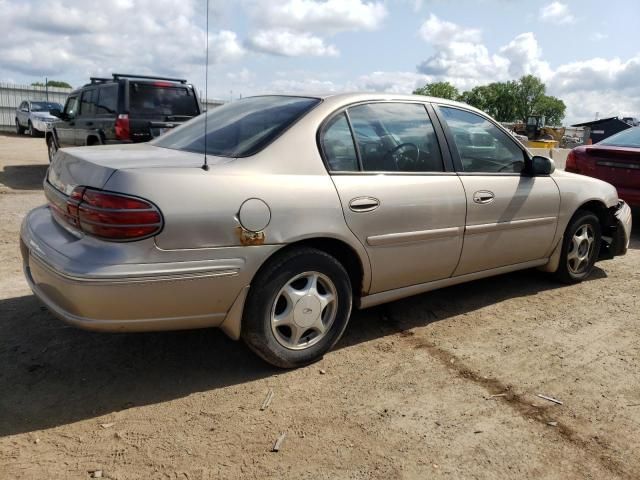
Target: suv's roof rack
99, 80
147, 77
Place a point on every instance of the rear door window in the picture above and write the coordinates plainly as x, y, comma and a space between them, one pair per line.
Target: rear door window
162, 101
395, 137
107, 103
338, 147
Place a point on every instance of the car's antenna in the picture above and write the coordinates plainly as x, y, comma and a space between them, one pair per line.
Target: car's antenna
205, 166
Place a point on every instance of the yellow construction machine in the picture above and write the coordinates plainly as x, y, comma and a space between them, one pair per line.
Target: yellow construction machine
539, 135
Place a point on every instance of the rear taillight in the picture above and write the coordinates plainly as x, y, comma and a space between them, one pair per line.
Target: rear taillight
107, 215
572, 164
123, 132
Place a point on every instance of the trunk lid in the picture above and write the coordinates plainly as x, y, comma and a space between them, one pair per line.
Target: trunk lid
93, 166
619, 166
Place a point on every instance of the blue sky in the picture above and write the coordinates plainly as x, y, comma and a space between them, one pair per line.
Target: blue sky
587, 52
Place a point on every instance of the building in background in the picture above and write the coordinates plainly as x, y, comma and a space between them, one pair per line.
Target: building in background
603, 128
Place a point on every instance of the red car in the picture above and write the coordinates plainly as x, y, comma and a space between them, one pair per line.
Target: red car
615, 160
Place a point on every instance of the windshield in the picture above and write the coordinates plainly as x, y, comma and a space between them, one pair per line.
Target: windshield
156, 100
240, 128
626, 138
45, 106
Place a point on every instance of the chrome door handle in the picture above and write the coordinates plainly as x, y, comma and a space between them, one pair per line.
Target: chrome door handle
364, 204
483, 196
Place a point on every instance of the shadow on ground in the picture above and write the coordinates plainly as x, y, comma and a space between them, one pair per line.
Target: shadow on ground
23, 177
52, 374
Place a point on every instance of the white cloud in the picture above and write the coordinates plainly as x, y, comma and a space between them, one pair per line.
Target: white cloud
308, 85
290, 44
298, 27
525, 57
328, 17
224, 46
598, 73
395, 82
77, 39
556, 12
243, 76
441, 32
459, 54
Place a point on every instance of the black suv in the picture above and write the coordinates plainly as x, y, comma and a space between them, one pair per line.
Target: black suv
122, 109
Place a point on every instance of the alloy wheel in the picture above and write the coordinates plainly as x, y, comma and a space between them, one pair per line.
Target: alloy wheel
581, 249
304, 310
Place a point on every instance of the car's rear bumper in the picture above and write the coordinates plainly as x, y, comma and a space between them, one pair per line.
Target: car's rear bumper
128, 297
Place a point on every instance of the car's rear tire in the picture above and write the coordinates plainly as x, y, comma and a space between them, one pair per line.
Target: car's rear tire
19, 129
52, 148
580, 247
297, 308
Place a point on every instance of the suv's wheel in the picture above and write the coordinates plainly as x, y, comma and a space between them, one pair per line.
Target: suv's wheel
52, 148
32, 131
580, 247
19, 129
297, 308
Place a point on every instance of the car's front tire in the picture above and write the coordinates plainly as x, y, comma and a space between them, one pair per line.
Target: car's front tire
297, 308
52, 148
580, 247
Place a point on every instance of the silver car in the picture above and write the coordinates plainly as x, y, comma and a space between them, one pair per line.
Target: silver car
35, 117
302, 209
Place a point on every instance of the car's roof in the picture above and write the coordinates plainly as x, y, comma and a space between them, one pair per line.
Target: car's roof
337, 99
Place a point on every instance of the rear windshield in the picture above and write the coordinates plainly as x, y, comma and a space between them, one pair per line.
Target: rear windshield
626, 138
240, 128
152, 100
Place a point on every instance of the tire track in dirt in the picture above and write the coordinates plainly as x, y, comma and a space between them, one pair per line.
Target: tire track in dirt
523, 407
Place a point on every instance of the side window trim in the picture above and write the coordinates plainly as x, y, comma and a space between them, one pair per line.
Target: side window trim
90, 94
353, 139
441, 139
457, 162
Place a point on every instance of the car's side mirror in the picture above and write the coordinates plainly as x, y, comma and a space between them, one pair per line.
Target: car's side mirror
542, 165
56, 112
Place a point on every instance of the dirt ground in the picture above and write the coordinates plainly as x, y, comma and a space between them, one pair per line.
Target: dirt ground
441, 385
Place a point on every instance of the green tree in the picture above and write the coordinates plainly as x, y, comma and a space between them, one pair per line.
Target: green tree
498, 99
505, 101
438, 89
529, 91
52, 83
552, 108
479, 97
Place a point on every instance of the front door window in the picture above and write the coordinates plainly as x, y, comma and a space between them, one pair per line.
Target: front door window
481, 145
71, 107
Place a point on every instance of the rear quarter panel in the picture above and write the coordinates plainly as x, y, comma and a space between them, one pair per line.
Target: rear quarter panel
200, 208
